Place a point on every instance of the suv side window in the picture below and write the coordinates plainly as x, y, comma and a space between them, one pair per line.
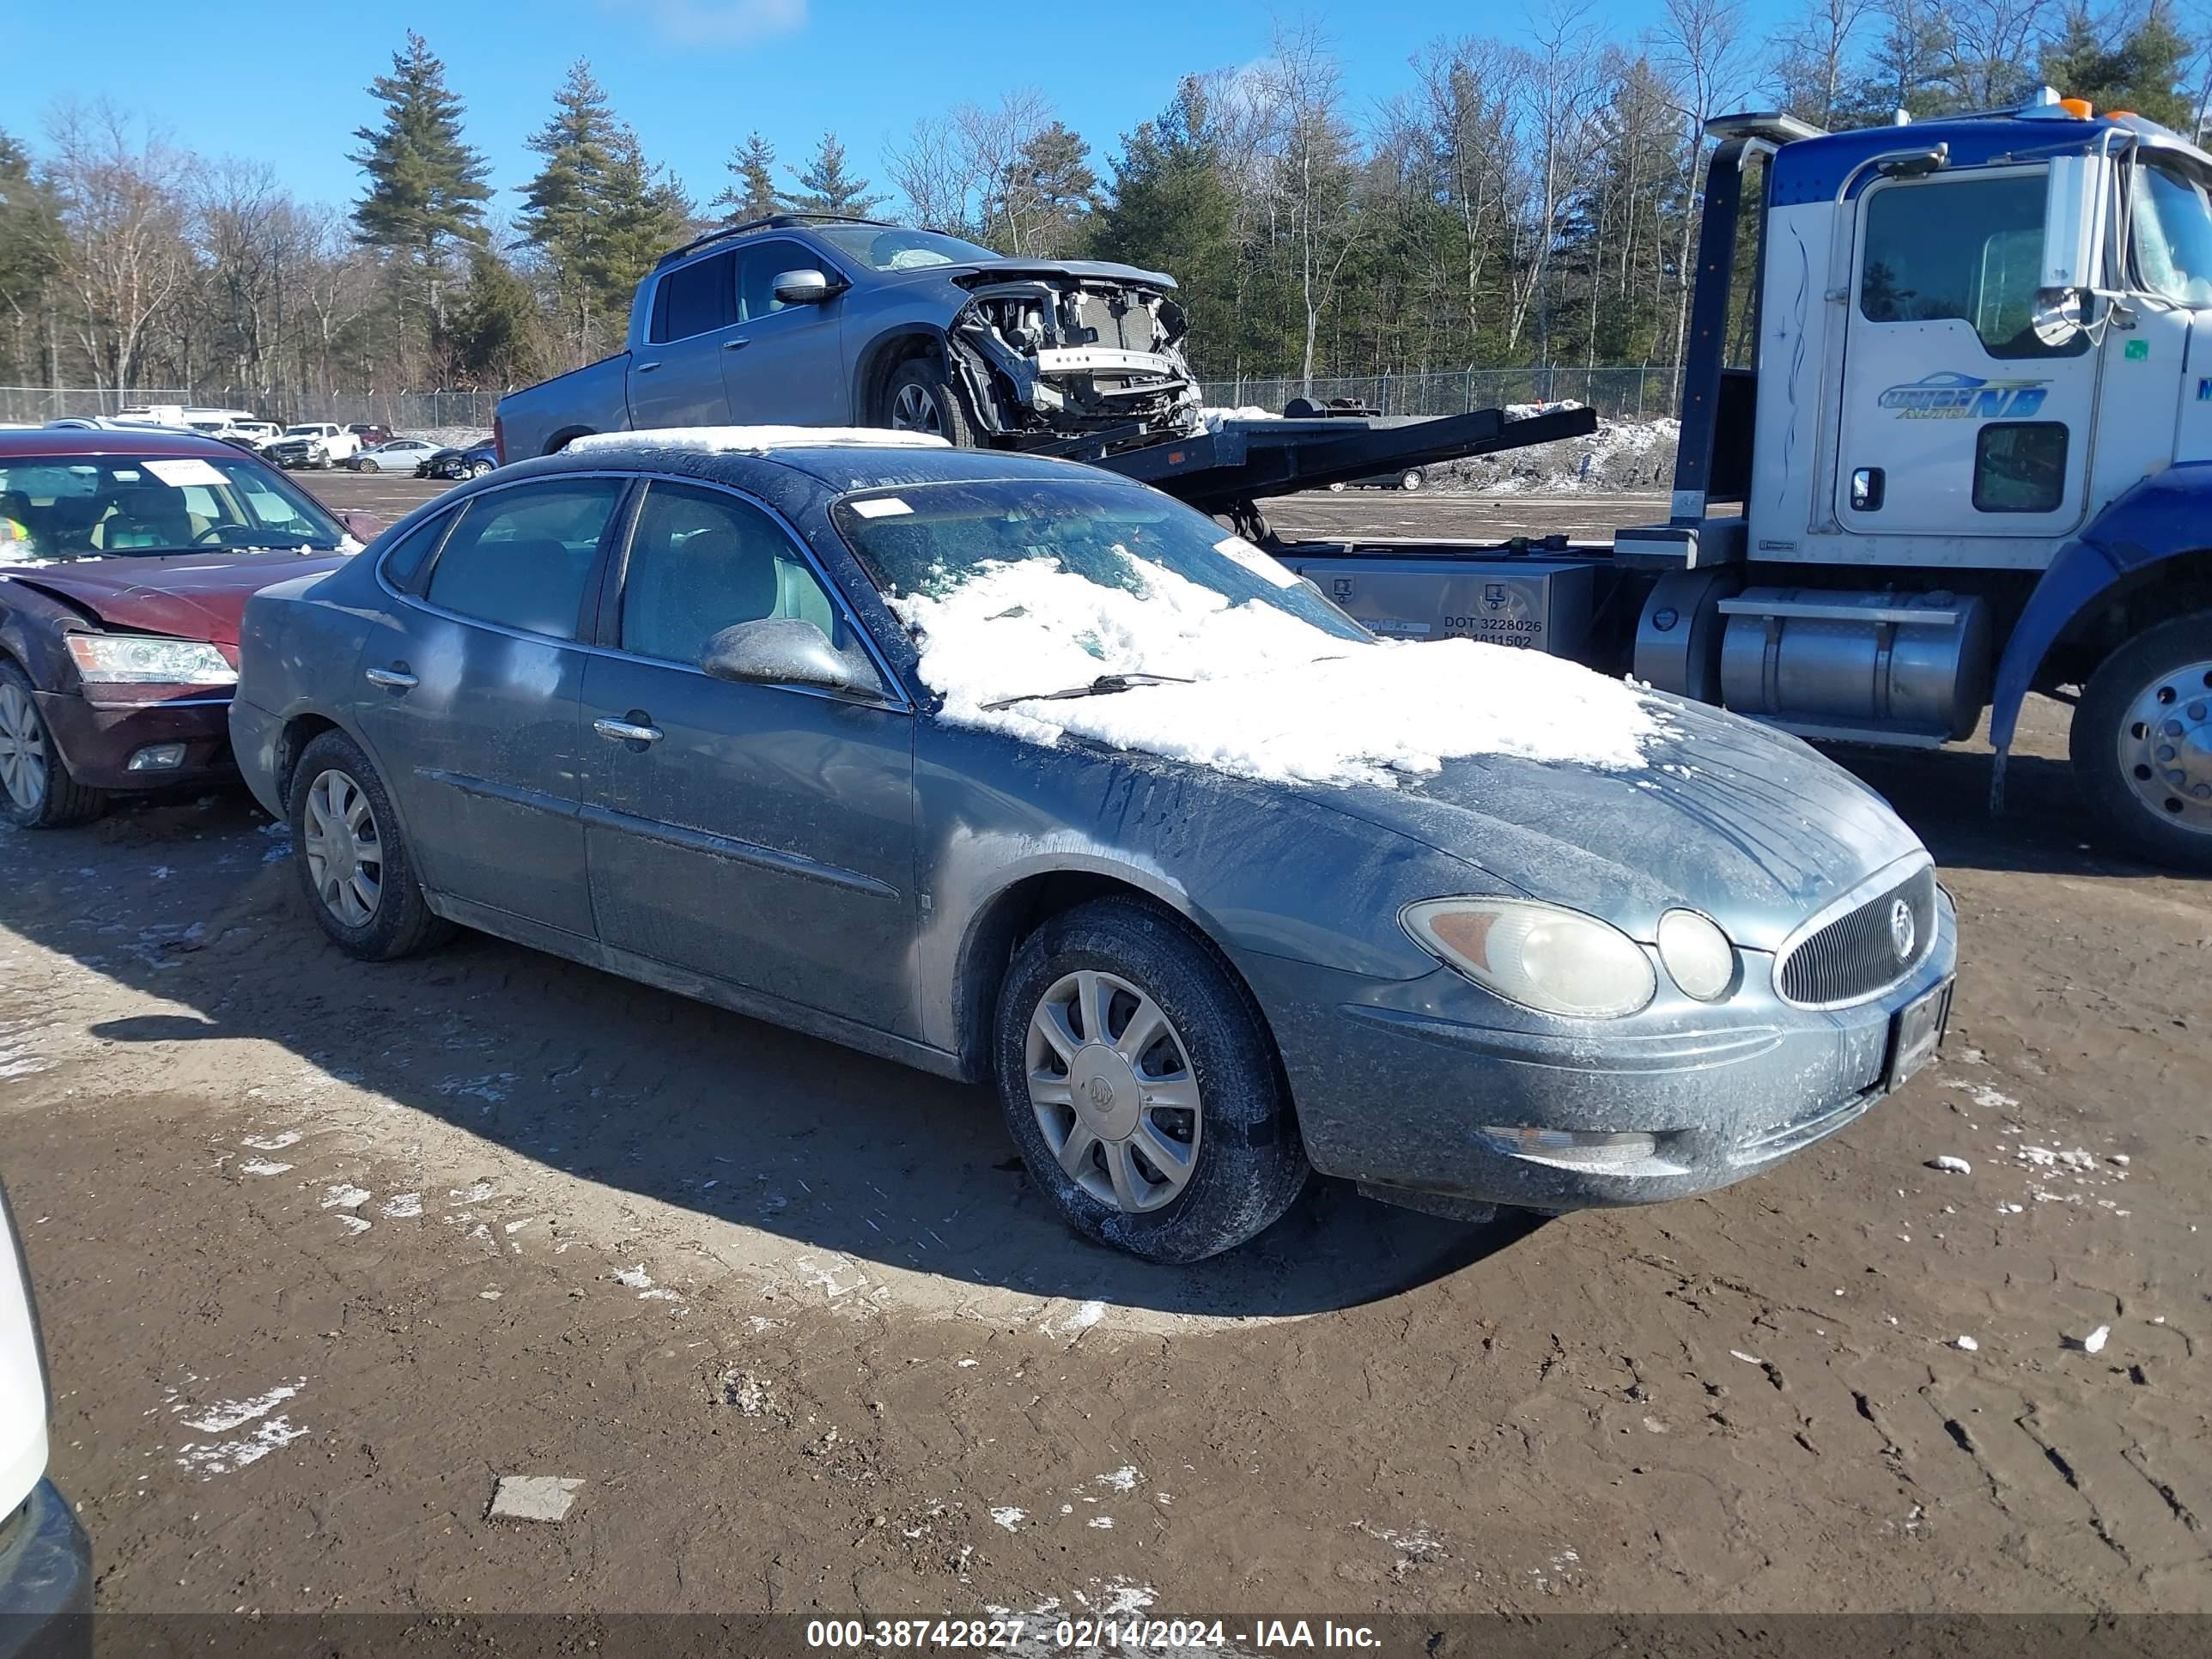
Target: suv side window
701, 562
759, 263
694, 299
1965, 248
522, 557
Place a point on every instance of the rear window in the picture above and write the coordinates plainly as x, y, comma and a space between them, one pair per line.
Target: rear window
694, 299
522, 558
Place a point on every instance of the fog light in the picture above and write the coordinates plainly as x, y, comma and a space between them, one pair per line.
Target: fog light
156, 757
1579, 1148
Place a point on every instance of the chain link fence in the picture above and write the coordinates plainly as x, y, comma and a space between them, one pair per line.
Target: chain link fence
1634, 393
34, 405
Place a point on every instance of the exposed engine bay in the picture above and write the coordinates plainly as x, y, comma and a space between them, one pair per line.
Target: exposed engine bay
1059, 355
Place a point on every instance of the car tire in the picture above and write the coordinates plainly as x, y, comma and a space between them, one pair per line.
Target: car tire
921, 397
1245, 1166
2141, 744
337, 794
479, 469
1337, 488
1411, 479
37, 789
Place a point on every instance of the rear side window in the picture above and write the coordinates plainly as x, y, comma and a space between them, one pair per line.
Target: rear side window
695, 299
522, 557
404, 561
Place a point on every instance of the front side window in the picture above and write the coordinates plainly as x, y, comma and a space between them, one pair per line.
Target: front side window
116, 506
2171, 212
701, 562
1965, 248
759, 263
522, 558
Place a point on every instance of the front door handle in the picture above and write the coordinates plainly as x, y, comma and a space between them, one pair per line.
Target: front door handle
645, 368
735, 345
395, 679
629, 731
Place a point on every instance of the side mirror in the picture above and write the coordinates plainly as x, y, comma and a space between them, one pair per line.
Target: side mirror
804, 287
782, 651
2059, 314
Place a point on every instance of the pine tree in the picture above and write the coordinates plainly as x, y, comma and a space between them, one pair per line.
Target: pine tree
825, 187
644, 213
2136, 72
1052, 193
751, 193
562, 216
1172, 210
493, 339
30, 232
425, 186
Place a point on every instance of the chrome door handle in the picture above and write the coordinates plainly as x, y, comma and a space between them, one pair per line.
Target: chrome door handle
735, 345
396, 679
645, 368
624, 732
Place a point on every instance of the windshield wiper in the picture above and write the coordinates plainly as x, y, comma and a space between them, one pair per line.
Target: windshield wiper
1103, 686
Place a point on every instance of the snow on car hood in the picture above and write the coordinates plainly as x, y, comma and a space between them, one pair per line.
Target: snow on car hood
1273, 697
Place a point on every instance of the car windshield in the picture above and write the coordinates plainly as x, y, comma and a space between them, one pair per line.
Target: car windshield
303, 432
99, 506
880, 248
1045, 586
2173, 216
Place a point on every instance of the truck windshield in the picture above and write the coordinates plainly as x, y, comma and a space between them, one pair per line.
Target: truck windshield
2172, 216
895, 248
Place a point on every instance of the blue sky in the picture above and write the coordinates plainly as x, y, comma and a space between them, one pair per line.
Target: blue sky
284, 83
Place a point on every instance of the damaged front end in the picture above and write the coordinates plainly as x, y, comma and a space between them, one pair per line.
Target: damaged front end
1055, 355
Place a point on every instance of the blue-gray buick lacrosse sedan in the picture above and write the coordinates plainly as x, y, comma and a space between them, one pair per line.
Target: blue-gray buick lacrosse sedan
1018, 772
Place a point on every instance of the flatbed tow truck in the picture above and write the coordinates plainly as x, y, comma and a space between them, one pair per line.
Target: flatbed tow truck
1946, 438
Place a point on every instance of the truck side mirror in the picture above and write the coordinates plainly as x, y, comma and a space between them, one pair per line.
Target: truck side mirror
804, 287
2073, 235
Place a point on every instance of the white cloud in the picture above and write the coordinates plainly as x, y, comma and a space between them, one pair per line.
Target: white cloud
720, 22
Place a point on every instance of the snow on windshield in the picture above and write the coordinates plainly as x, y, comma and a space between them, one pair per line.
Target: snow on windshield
1274, 697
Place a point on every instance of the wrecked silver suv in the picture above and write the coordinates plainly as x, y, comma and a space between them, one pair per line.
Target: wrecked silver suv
810, 320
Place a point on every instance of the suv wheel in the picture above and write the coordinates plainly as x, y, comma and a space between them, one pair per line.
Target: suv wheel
353, 860
1140, 1085
921, 397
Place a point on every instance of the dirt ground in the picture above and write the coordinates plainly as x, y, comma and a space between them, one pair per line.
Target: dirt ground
325, 1250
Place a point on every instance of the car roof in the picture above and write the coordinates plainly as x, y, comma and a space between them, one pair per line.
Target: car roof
41, 442
841, 467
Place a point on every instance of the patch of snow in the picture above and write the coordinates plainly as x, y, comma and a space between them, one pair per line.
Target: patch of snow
262, 1166
1747, 1358
234, 1413
756, 439
2094, 1342
344, 1196
1103, 1522
354, 1225
275, 1143
404, 1207
1951, 1165
1124, 1479
1272, 697
1966, 1343
1009, 1517
1215, 419
1988, 1099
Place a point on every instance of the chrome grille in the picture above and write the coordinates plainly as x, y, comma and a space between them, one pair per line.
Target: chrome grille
1855, 956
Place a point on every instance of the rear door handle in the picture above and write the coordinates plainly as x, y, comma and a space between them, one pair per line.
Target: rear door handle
645, 368
735, 345
615, 731
394, 679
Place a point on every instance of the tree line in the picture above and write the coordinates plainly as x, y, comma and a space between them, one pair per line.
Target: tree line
1510, 202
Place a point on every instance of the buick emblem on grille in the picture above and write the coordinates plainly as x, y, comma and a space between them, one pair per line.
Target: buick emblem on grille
1901, 929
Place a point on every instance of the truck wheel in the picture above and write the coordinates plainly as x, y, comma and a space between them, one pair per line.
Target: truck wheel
2142, 742
1140, 1085
921, 399
36, 789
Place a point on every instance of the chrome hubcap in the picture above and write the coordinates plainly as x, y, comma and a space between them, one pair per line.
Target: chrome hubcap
22, 749
916, 410
345, 855
1111, 1084
2166, 747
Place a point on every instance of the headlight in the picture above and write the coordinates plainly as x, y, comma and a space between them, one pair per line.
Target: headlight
1554, 960
135, 660
1697, 954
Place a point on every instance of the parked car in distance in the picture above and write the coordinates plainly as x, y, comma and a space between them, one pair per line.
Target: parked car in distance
369, 433
394, 455
471, 463
815, 321
125, 558
1016, 771
46, 1560
1410, 477
313, 443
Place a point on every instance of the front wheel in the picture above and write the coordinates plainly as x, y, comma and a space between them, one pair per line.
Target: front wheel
354, 863
1412, 478
37, 791
478, 468
1140, 1085
2142, 742
921, 397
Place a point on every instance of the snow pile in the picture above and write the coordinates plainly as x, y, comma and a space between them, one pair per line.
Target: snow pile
758, 440
1215, 419
1274, 697
1618, 455
447, 437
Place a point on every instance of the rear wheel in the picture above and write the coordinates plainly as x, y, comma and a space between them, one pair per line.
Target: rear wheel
2142, 742
478, 468
921, 397
1140, 1084
36, 789
1411, 479
354, 863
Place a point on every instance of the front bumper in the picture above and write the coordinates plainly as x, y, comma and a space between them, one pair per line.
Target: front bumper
46, 1581
97, 739
1395, 1081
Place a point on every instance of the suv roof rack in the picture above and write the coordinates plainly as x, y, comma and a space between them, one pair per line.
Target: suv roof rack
773, 221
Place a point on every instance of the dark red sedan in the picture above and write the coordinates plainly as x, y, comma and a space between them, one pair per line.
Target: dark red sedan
126, 559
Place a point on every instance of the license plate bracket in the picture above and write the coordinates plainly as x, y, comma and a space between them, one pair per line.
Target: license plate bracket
1916, 1032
